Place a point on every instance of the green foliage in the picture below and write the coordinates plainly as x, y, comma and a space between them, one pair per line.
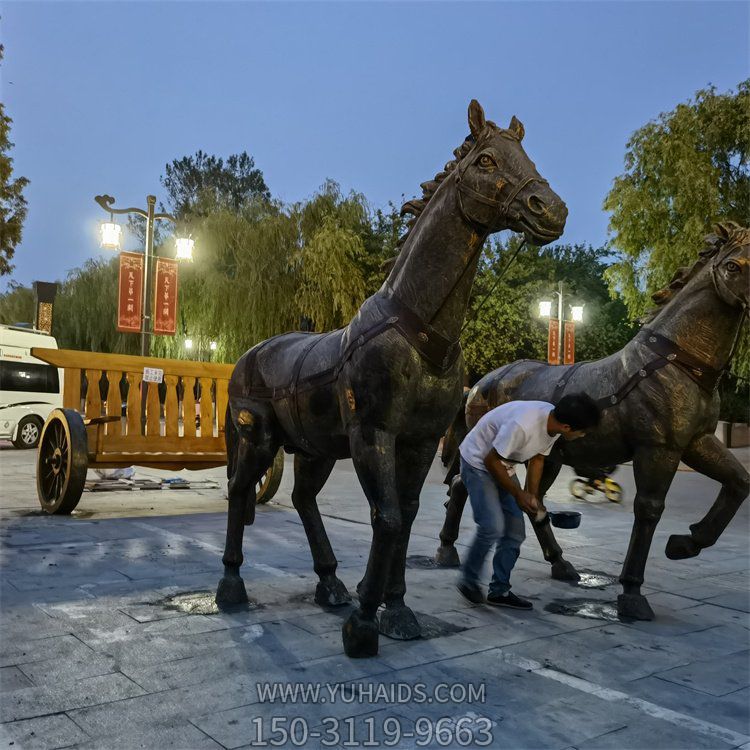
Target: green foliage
263, 269
683, 172
85, 310
201, 184
201, 180
380, 236
506, 326
17, 304
12, 202
735, 400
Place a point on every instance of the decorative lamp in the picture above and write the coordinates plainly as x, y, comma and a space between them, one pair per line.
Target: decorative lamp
110, 235
184, 248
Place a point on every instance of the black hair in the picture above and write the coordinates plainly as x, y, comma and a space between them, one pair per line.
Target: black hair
578, 410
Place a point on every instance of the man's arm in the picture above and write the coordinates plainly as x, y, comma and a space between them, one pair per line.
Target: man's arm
526, 501
534, 474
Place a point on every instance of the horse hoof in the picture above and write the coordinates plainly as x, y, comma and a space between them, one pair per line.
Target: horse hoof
399, 623
360, 636
562, 570
231, 591
332, 593
634, 607
681, 546
447, 556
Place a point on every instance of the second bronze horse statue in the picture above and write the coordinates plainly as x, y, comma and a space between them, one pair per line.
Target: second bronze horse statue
660, 407
383, 389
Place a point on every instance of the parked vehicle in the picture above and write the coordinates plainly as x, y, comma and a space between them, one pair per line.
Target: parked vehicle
29, 388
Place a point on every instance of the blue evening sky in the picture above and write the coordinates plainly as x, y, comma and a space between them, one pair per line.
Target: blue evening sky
371, 94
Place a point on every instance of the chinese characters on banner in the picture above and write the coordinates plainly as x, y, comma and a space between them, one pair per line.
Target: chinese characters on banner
553, 343
130, 293
569, 346
165, 297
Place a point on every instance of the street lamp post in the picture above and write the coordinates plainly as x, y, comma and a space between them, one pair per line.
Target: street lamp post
576, 316
110, 238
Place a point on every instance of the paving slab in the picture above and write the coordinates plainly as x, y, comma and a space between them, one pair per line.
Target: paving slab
41, 733
110, 639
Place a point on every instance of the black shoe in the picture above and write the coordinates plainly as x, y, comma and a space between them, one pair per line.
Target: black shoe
471, 593
509, 600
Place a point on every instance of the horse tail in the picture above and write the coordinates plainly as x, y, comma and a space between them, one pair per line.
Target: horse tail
230, 438
453, 438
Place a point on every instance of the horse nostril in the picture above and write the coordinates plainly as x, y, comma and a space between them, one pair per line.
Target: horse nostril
536, 205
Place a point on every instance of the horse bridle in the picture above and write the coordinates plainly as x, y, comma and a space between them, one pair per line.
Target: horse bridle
720, 285
482, 231
503, 205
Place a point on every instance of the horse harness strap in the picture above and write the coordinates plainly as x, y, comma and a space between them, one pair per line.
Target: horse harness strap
435, 348
668, 353
705, 376
439, 351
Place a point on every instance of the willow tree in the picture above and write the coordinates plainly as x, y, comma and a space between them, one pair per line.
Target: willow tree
85, 315
17, 304
265, 268
683, 172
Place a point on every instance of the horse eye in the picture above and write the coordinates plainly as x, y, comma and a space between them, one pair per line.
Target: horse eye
733, 267
486, 161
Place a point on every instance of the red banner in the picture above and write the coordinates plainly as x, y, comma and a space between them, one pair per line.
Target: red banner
165, 297
569, 345
553, 342
130, 293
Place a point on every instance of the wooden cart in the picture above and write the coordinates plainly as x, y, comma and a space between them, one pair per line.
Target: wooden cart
112, 418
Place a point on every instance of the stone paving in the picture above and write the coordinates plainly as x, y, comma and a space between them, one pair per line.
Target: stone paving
110, 638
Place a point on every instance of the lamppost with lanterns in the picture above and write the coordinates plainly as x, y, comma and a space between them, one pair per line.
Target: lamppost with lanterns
111, 233
576, 316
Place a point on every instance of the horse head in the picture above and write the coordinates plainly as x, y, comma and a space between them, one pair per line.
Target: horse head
499, 187
730, 268
723, 264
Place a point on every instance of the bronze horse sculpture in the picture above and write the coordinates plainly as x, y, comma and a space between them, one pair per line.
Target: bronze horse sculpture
383, 389
660, 407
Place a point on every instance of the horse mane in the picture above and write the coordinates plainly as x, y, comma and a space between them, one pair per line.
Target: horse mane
726, 236
416, 206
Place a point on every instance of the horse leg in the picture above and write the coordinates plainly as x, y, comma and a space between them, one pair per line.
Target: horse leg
412, 464
373, 453
709, 456
310, 474
255, 453
562, 570
654, 468
447, 555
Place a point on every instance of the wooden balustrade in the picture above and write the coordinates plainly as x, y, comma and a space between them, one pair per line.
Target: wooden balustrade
179, 422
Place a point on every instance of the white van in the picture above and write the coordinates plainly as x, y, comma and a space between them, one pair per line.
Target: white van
29, 388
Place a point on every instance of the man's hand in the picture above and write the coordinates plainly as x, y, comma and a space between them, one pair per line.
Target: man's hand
527, 502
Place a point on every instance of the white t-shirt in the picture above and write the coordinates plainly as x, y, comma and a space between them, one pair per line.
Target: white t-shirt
516, 430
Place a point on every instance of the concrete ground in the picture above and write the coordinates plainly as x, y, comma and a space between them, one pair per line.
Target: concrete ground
110, 638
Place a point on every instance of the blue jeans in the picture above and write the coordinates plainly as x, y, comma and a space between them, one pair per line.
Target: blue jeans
500, 524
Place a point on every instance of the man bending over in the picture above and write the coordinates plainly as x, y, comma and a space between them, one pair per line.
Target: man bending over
516, 432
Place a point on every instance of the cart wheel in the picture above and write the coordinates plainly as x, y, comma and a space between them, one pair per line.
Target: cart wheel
270, 481
578, 488
612, 491
61, 462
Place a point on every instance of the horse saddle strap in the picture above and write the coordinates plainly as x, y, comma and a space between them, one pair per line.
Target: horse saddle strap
632, 382
433, 346
704, 375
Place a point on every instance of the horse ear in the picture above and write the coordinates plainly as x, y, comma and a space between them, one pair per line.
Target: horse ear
476, 118
516, 127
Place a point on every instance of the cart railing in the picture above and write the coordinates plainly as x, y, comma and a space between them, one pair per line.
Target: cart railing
176, 424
